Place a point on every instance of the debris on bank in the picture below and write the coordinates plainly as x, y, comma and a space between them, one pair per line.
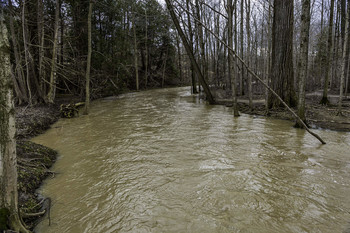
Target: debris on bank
33, 160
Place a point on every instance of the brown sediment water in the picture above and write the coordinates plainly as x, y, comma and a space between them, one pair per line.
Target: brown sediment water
164, 161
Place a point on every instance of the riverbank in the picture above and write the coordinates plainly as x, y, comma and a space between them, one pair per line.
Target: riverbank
33, 160
318, 116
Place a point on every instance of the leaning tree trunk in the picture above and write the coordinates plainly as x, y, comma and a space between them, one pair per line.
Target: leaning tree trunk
304, 54
324, 99
52, 89
282, 74
190, 53
8, 158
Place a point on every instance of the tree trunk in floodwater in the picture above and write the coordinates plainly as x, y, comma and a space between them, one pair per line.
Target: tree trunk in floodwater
304, 54
282, 73
8, 158
231, 60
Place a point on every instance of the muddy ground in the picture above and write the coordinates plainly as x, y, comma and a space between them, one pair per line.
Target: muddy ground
34, 161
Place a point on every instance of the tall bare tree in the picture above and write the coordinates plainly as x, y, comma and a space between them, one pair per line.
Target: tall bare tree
8, 158
88, 63
304, 55
344, 62
282, 73
328, 70
231, 59
52, 90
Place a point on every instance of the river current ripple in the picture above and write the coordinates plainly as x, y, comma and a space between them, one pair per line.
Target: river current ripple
165, 161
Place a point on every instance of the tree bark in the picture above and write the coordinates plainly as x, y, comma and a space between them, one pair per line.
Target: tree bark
282, 73
190, 32
324, 99
249, 77
231, 60
136, 62
52, 90
22, 93
304, 54
88, 63
344, 63
8, 158
241, 83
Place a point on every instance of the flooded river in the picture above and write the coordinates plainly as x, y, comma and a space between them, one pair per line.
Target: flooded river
164, 161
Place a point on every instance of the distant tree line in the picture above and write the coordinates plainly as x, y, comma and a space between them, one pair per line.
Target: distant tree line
294, 45
133, 47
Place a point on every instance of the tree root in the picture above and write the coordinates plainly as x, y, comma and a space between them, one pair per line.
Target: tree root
30, 215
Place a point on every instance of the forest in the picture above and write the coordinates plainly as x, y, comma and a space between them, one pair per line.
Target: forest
285, 59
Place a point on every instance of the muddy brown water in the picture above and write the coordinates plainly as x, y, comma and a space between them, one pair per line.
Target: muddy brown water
164, 161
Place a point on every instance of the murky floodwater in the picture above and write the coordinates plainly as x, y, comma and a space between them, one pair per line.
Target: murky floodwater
162, 161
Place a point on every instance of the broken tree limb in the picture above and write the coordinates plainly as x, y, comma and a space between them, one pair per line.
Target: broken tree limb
255, 75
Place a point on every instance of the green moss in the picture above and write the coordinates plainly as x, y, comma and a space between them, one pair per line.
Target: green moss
4, 213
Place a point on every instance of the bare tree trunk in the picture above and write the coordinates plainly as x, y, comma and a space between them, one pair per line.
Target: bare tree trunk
41, 33
190, 53
241, 87
146, 55
250, 89
8, 157
179, 57
193, 78
282, 73
231, 60
268, 63
52, 90
22, 93
88, 63
136, 62
304, 54
324, 99
26, 53
201, 43
344, 63
164, 67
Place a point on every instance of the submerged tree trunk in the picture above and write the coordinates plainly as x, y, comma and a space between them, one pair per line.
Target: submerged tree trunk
88, 63
8, 158
324, 99
304, 54
282, 73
